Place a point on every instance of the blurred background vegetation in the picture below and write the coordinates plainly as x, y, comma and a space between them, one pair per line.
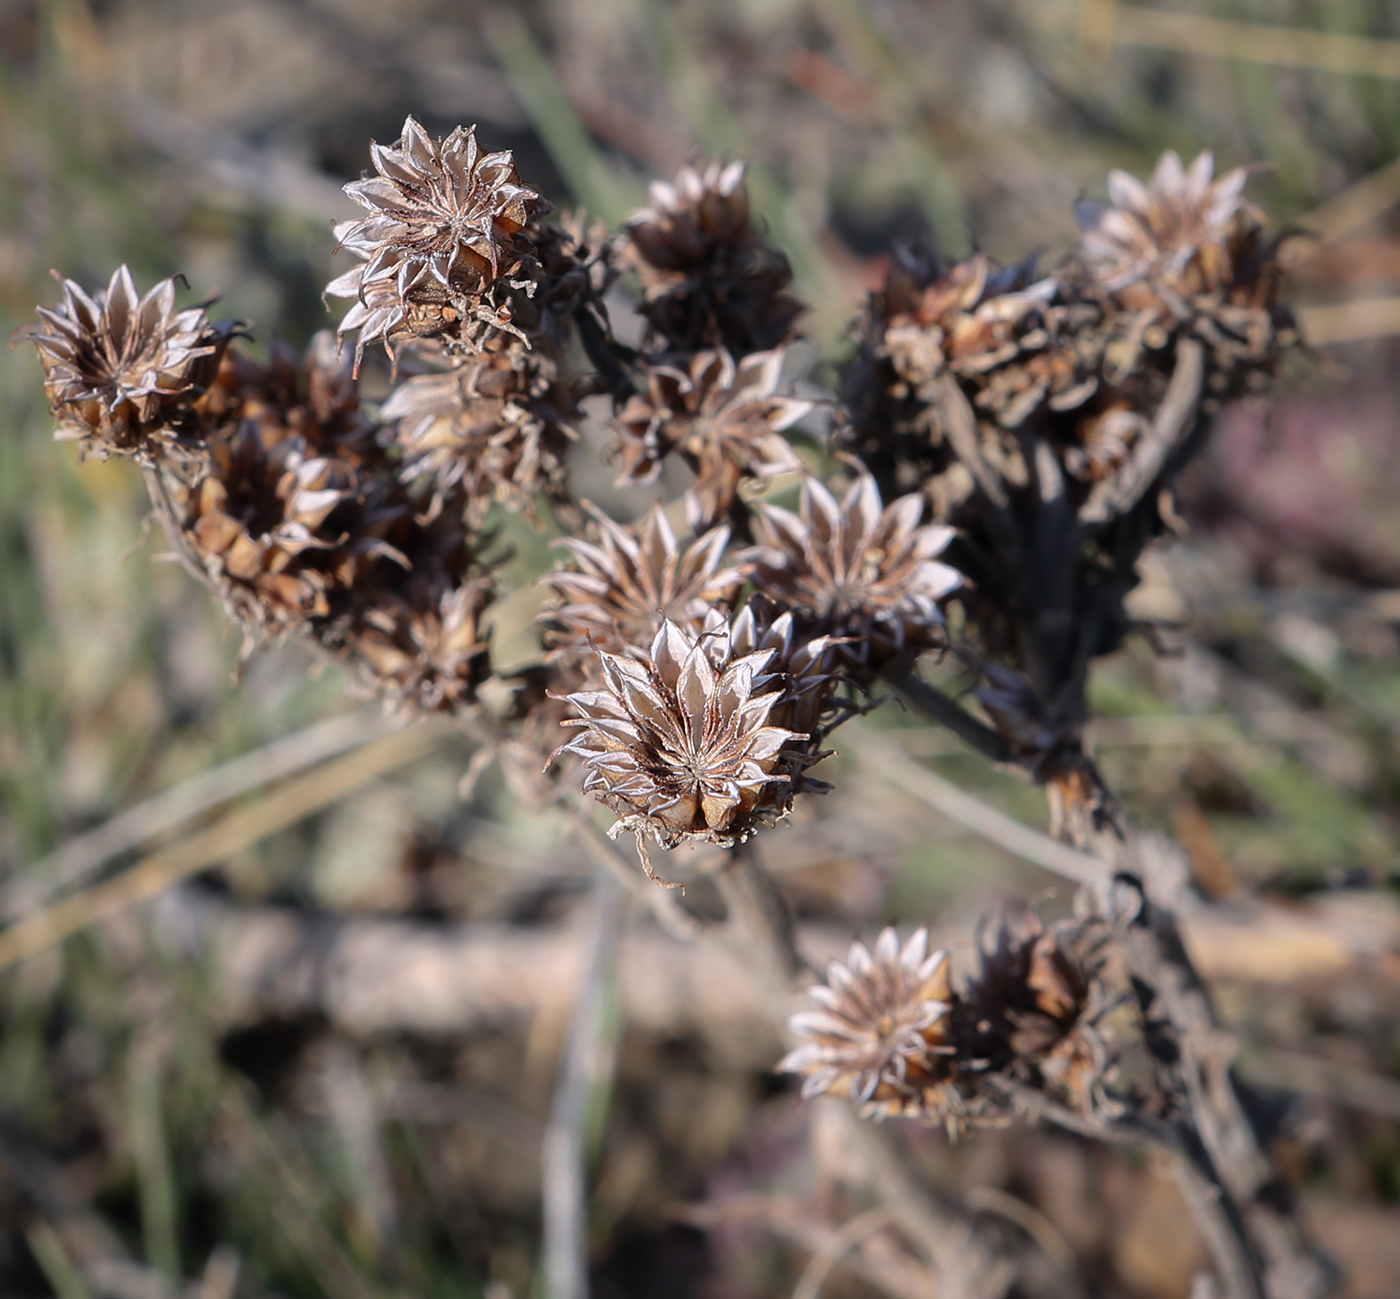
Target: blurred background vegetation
220, 1094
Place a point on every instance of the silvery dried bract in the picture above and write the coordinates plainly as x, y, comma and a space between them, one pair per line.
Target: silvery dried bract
680, 742
1035, 1003
726, 419
443, 217
708, 279
498, 424
123, 372
856, 569
1180, 233
624, 584
880, 1033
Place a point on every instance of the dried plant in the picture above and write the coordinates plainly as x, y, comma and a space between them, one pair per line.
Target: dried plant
1025, 429
626, 582
123, 372
881, 1033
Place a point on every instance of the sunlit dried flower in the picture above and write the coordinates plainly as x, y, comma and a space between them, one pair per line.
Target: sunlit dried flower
1036, 1001
1177, 232
623, 585
880, 1033
123, 371
857, 569
725, 418
497, 424
441, 228
680, 743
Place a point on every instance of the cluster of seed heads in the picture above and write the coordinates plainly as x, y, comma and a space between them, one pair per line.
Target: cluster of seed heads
693, 662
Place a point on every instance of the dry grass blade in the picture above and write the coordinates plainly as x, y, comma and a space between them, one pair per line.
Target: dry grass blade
1293, 47
237, 830
81, 856
881, 756
821, 1264
1350, 322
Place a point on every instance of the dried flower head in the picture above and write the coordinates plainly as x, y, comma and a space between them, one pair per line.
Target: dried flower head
442, 226
725, 418
497, 424
708, 279
881, 1032
691, 216
313, 397
1178, 232
281, 531
680, 743
1036, 1001
123, 371
417, 637
623, 585
857, 570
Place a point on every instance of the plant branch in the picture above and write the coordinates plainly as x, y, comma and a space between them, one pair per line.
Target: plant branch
565, 1184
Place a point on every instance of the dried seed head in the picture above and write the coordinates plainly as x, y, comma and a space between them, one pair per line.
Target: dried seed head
442, 226
283, 533
680, 742
417, 637
1180, 232
123, 372
856, 570
708, 279
1008, 337
1036, 1001
625, 584
314, 397
691, 216
497, 425
725, 418
880, 1033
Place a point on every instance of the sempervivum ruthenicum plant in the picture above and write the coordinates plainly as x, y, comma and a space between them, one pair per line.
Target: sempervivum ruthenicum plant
1008, 439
